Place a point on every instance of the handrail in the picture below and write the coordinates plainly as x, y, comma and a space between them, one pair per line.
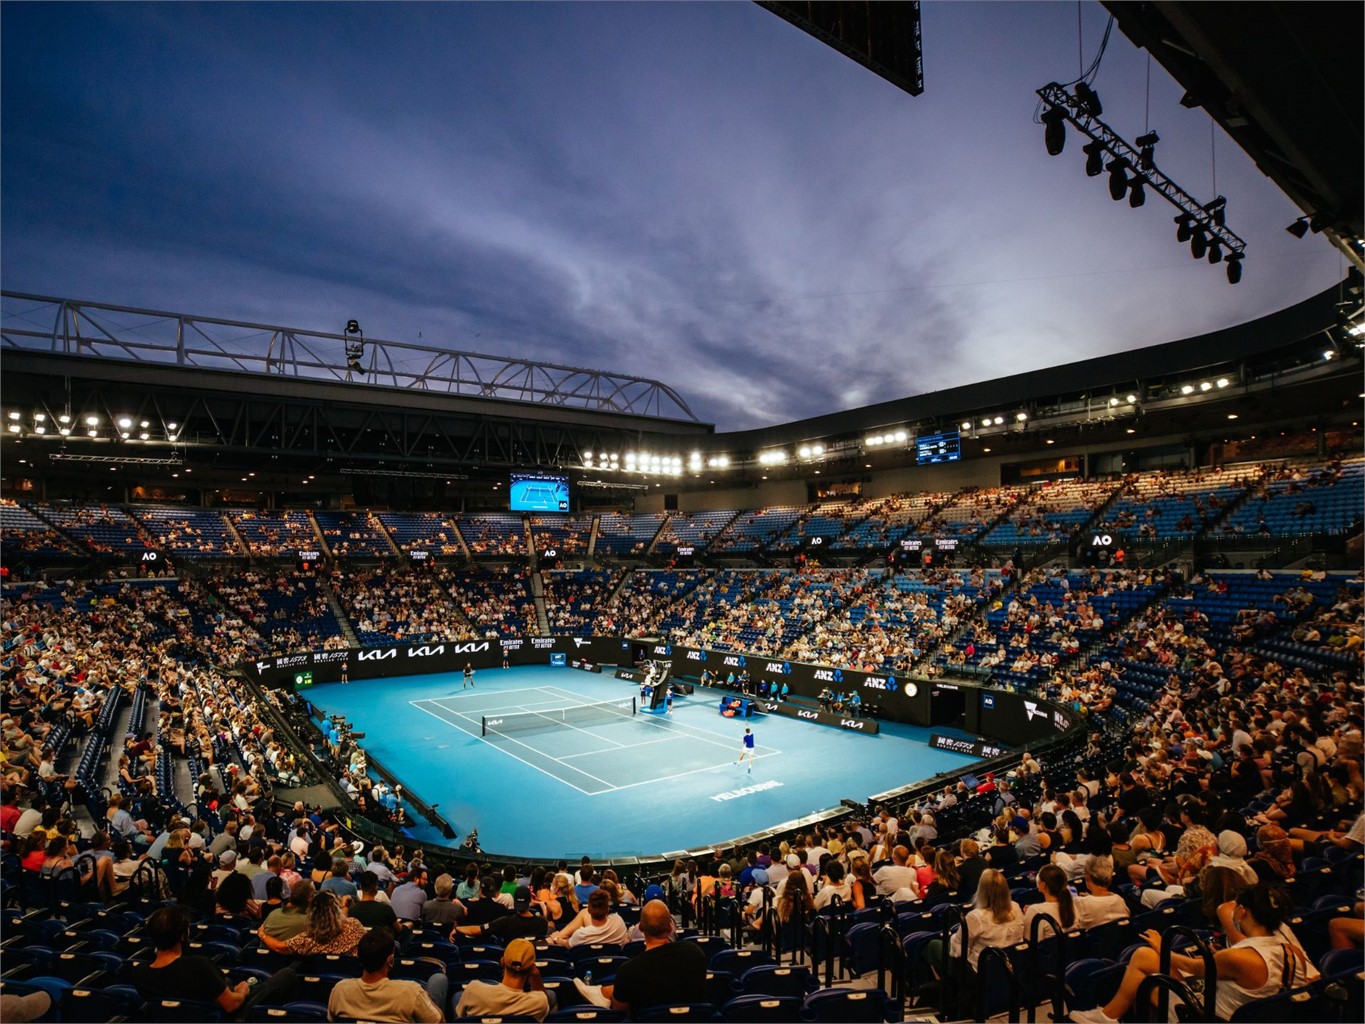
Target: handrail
1167, 985
1210, 966
956, 917
1012, 982
1060, 935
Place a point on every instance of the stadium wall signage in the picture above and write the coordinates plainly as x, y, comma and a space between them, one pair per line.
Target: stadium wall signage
1012, 718
448, 656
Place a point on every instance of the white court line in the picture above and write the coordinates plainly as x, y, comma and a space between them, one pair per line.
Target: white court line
669, 726
514, 757
695, 731
627, 746
679, 775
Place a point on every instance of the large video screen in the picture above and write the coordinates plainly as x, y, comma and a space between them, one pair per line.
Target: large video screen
537, 493
931, 448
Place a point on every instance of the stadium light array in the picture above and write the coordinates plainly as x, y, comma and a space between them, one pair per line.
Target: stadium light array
1132, 170
772, 457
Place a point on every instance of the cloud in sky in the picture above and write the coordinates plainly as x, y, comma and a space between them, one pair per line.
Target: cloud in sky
698, 193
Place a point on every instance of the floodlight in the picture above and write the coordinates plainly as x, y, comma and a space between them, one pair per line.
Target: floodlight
1118, 178
1299, 228
1054, 134
1094, 158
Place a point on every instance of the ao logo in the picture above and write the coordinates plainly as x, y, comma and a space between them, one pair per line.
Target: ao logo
149, 556
1101, 540
815, 541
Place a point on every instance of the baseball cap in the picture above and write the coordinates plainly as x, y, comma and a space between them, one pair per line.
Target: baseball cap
759, 876
521, 897
358, 846
519, 956
654, 892
228, 858
793, 861
26, 1007
247, 832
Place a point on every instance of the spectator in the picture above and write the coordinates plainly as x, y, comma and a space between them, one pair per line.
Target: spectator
172, 975
329, 931
292, 918
442, 911
370, 910
595, 923
666, 972
407, 899
521, 992
374, 996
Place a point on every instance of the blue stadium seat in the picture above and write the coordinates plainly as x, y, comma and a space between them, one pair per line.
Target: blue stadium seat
849, 1006
762, 1009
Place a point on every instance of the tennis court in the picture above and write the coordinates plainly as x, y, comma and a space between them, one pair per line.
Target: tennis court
614, 784
597, 747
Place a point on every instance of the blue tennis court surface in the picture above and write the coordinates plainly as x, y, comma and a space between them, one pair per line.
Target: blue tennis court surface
614, 785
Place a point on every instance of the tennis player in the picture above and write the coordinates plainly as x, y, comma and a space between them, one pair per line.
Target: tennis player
747, 750
468, 676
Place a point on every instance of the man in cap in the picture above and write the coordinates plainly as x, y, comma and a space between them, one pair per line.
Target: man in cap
521, 992
376, 996
523, 922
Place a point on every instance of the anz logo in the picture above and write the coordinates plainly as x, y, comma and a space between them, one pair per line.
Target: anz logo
825, 675
851, 723
693, 655
427, 652
664, 650
736, 662
887, 683
785, 667
392, 652
808, 714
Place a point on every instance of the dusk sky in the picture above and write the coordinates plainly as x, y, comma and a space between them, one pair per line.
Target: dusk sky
699, 193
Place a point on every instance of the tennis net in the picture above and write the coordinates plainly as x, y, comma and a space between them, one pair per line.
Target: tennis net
548, 718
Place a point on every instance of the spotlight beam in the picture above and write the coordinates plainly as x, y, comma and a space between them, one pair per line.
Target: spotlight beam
1097, 131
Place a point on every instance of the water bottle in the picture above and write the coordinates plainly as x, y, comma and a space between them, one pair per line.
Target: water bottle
587, 977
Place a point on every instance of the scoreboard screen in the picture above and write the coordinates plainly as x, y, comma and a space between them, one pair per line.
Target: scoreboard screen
932, 448
538, 493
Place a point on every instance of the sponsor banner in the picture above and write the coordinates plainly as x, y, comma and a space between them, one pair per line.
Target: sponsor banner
976, 747
634, 675
584, 665
445, 656
998, 715
866, 726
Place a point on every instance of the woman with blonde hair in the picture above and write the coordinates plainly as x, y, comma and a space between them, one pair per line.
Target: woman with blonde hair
864, 886
562, 905
994, 920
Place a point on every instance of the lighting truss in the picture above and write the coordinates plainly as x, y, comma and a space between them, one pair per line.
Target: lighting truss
122, 460
1056, 97
352, 471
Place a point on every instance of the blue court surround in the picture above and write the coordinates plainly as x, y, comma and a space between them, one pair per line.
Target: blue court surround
625, 786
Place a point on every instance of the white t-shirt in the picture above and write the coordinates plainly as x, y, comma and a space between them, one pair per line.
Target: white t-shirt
825, 896
1093, 911
986, 931
891, 877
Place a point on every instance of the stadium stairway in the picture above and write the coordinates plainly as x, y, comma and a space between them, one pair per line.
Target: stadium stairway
347, 630
235, 535
538, 597
592, 537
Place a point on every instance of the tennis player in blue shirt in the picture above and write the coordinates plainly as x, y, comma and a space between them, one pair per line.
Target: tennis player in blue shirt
747, 750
